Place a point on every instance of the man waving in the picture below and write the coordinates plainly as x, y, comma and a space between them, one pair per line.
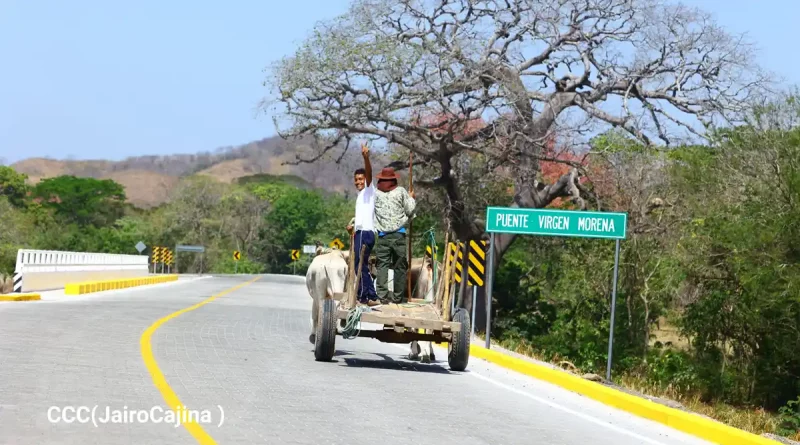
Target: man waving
364, 226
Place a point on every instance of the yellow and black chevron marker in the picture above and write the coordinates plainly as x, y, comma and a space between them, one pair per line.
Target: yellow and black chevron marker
428, 252
156, 254
168, 260
295, 254
337, 244
476, 272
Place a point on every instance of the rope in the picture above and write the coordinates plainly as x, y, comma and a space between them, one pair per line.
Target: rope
352, 326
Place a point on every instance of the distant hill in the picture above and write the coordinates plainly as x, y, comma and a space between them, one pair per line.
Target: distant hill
149, 179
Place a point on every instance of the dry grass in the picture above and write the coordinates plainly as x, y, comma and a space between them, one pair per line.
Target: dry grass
39, 168
148, 179
752, 419
144, 189
228, 171
668, 335
6, 284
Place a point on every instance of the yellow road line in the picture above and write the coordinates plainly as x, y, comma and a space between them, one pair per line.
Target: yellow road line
160, 382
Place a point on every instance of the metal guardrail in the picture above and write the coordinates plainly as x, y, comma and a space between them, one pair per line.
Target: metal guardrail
32, 261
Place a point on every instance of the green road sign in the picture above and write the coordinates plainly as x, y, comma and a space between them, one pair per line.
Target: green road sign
582, 224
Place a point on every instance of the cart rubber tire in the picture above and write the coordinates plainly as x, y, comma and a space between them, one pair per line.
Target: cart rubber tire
325, 341
458, 348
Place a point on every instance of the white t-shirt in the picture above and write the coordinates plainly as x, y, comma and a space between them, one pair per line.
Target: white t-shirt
365, 208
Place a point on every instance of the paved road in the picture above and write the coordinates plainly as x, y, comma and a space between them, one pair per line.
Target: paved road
248, 352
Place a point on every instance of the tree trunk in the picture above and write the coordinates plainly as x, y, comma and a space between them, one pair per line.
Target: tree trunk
480, 310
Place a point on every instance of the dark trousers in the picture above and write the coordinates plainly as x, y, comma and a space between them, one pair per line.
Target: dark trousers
364, 238
391, 253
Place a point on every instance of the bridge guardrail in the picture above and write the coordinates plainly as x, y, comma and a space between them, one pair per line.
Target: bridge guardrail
39, 270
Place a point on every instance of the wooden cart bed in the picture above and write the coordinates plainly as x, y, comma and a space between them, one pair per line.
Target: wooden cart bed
406, 315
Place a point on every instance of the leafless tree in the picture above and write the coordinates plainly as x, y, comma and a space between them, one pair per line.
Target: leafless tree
243, 218
417, 73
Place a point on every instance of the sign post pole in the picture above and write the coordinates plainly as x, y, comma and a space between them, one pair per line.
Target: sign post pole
489, 282
236, 256
198, 249
613, 310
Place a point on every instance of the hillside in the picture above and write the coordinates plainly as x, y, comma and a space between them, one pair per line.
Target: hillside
148, 179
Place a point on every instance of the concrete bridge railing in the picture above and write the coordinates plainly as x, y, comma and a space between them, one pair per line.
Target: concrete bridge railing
40, 270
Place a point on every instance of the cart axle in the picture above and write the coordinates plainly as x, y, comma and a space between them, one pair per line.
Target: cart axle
392, 336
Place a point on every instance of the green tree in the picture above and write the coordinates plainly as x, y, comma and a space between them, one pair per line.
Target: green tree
295, 215
740, 254
82, 201
13, 186
16, 229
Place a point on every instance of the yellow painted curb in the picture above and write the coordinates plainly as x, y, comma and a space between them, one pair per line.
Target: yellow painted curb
100, 286
160, 382
20, 297
694, 424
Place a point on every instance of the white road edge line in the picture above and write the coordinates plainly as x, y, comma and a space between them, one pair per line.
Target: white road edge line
559, 407
567, 410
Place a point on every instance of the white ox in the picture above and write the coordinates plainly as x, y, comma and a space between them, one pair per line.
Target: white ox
327, 275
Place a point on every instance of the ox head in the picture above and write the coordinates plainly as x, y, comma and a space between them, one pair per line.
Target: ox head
336, 271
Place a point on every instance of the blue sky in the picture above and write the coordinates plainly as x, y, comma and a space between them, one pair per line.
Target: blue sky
106, 80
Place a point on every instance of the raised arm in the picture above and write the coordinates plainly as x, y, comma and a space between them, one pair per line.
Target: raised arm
367, 164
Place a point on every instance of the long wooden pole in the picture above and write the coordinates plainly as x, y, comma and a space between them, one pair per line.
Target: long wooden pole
410, 224
351, 274
445, 271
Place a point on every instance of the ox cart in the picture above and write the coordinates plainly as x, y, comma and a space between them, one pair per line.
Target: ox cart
432, 319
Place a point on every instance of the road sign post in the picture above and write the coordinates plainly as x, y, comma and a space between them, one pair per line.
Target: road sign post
489, 284
613, 310
475, 259
295, 257
566, 223
196, 249
155, 258
236, 256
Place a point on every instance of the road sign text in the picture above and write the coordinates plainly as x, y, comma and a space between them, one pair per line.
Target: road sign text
571, 223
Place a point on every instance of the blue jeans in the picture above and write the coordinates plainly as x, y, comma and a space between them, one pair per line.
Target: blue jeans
364, 238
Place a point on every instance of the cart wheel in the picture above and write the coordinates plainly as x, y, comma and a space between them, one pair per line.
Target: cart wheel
458, 348
325, 341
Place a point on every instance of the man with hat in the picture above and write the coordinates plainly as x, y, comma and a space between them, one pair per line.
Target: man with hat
393, 208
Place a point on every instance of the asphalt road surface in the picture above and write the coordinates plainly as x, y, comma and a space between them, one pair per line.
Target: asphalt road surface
245, 354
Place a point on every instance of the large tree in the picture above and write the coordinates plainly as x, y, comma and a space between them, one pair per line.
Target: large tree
418, 73
82, 201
